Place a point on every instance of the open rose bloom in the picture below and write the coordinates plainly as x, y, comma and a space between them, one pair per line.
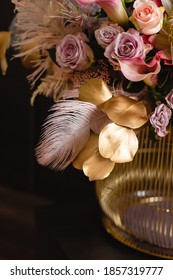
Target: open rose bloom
107, 64
72, 53
147, 16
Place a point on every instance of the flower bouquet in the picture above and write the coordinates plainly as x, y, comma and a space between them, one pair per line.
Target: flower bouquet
108, 65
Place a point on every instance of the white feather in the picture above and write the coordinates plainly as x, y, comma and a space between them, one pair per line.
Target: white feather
65, 132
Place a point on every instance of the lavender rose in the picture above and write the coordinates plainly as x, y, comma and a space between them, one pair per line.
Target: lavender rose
127, 45
160, 119
72, 53
107, 33
169, 99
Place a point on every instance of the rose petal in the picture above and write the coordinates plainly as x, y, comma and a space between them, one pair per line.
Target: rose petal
88, 150
95, 91
97, 167
117, 143
126, 111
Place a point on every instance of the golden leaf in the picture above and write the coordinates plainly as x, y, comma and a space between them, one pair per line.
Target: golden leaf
117, 143
32, 55
161, 41
125, 111
97, 167
88, 150
95, 91
5, 38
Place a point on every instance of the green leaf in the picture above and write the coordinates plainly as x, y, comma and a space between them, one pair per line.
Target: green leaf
158, 96
135, 86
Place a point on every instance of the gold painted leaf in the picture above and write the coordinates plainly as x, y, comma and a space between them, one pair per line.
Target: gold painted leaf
95, 91
161, 41
88, 150
5, 38
126, 111
118, 143
97, 167
31, 57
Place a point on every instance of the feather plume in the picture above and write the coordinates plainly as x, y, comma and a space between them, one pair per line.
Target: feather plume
38, 27
65, 133
54, 86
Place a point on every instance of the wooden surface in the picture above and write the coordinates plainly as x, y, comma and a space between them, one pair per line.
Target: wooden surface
37, 228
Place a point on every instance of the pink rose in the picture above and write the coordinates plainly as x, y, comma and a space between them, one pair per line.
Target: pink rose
147, 16
72, 53
107, 33
160, 119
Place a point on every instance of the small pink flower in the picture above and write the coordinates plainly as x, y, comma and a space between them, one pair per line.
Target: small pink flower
72, 53
160, 119
147, 16
107, 33
169, 99
113, 8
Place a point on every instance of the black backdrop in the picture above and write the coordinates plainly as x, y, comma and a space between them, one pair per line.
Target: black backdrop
20, 126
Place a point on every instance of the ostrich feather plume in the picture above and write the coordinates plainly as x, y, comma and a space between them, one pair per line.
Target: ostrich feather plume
65, 132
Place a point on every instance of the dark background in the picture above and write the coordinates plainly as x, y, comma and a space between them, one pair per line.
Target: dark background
43, 214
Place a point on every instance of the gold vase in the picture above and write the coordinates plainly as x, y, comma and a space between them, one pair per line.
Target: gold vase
137, 198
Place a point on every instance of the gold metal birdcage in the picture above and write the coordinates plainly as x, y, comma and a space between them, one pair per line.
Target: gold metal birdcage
137, 198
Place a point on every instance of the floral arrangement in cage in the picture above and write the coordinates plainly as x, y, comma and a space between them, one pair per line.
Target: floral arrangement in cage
108, 65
